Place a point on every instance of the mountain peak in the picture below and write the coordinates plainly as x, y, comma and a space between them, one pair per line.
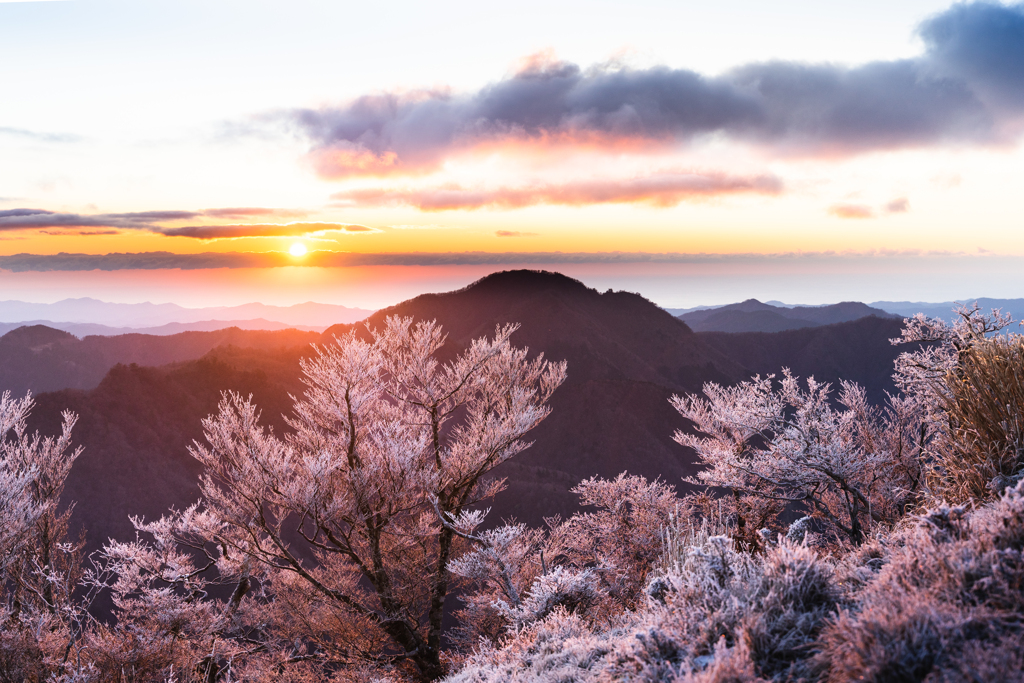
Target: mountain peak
36, 336
525, 280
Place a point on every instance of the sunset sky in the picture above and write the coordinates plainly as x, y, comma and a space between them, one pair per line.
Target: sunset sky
695, 152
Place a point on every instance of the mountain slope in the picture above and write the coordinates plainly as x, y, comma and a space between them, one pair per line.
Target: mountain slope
626, 357
136, 427
39, 358
859, 351
753, 316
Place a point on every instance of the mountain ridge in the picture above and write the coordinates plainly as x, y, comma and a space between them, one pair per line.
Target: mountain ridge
754, 316
626, 358
93, 311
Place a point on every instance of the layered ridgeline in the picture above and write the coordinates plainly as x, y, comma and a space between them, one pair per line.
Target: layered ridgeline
85, 316
626, 357
40, 358
753, 316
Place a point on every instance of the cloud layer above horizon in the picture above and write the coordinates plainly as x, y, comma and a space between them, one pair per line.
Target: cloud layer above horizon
166, 260
150, 221
967, 88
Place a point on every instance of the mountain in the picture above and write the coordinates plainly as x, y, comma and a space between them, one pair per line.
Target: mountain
135, 316
859, 351
625, 356
90, 329
39, 358
753, 316
945, 310
136, 427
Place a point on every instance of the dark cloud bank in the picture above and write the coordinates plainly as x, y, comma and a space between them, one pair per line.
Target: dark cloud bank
162, 260
24, 219
966, 88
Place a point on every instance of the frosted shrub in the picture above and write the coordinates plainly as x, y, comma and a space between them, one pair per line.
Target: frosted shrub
951, 593
729, 611
970, 380
621, 538
794, 601
501, 569
790, 445
563, 647
597, 562
575, 592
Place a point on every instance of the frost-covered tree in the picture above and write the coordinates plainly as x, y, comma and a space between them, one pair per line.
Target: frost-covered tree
340, 518
849, 465
39, 569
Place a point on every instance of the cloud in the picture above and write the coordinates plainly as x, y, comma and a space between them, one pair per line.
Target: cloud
900, 205
249, 212
965, 88
80, 232
851, 211
515, 233
39, 137
209, 232
329, 259
21, 219
982, 44
664, 189
110, 223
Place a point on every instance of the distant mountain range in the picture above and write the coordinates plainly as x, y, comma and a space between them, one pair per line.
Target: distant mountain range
626, 357
944, 311
86, 316
754, 316
40, 358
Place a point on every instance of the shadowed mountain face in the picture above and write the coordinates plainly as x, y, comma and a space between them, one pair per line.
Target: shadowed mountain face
625, 355
753, 316
858, 351
137, 425
39, 358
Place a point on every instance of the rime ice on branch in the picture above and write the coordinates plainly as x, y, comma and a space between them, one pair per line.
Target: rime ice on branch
851, 466
338, 516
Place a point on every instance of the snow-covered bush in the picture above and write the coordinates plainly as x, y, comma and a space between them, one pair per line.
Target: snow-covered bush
969, 379
39, 568
593, 564
949, 602
719, 612
849, 467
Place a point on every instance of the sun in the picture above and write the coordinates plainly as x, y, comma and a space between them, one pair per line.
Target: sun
297, 249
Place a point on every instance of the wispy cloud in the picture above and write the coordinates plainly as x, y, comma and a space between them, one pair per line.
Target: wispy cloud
253, 212
21, 219
664, 189
851, 211
209, 232
967, 87
51, 222
514, 233
899, 205
37, 136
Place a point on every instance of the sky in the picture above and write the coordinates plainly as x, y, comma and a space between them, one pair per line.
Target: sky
222, 152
